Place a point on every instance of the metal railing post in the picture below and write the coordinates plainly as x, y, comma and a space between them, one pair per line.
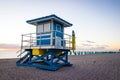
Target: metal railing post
40, 40
51, 42
69, 42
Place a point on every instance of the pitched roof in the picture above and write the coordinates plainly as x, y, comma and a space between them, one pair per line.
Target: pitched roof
54, 17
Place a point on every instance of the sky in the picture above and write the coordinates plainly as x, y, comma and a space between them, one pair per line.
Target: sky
96, 22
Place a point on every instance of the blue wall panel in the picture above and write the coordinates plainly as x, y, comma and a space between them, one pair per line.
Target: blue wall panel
43, 42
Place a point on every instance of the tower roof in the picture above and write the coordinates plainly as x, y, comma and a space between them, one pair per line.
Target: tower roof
50, 17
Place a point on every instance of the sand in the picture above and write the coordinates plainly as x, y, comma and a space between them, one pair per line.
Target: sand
85, 67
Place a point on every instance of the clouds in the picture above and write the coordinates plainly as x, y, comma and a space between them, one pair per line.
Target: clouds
88, 41
84, 44
100, 47
9, 46
89, 45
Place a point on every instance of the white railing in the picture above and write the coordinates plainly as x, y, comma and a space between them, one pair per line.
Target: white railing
30, 40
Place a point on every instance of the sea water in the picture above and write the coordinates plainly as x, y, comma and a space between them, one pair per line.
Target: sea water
13, 54
8, 54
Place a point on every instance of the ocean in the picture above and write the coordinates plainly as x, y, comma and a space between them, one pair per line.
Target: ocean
8, 54
13, 54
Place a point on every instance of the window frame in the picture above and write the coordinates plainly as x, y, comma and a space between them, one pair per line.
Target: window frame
40, 29
57, 29
43, 29
48, 29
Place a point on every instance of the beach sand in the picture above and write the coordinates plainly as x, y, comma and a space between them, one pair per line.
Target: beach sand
85, 67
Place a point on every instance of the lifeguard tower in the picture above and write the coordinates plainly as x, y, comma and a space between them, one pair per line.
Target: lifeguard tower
49, 46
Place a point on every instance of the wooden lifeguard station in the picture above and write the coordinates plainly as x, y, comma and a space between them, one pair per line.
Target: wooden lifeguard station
49, 46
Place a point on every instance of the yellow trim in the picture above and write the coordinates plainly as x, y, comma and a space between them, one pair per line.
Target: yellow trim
58, 52
37, 52
73, 43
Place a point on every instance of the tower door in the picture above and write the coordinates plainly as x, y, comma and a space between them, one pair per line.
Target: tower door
58, 42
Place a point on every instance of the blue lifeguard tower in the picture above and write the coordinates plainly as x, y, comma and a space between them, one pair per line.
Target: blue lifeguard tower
49, 46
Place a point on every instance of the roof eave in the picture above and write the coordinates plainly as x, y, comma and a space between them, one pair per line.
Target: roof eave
35, 21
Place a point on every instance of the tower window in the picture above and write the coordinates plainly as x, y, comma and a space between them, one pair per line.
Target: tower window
58, 27
45, 27
40, 28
